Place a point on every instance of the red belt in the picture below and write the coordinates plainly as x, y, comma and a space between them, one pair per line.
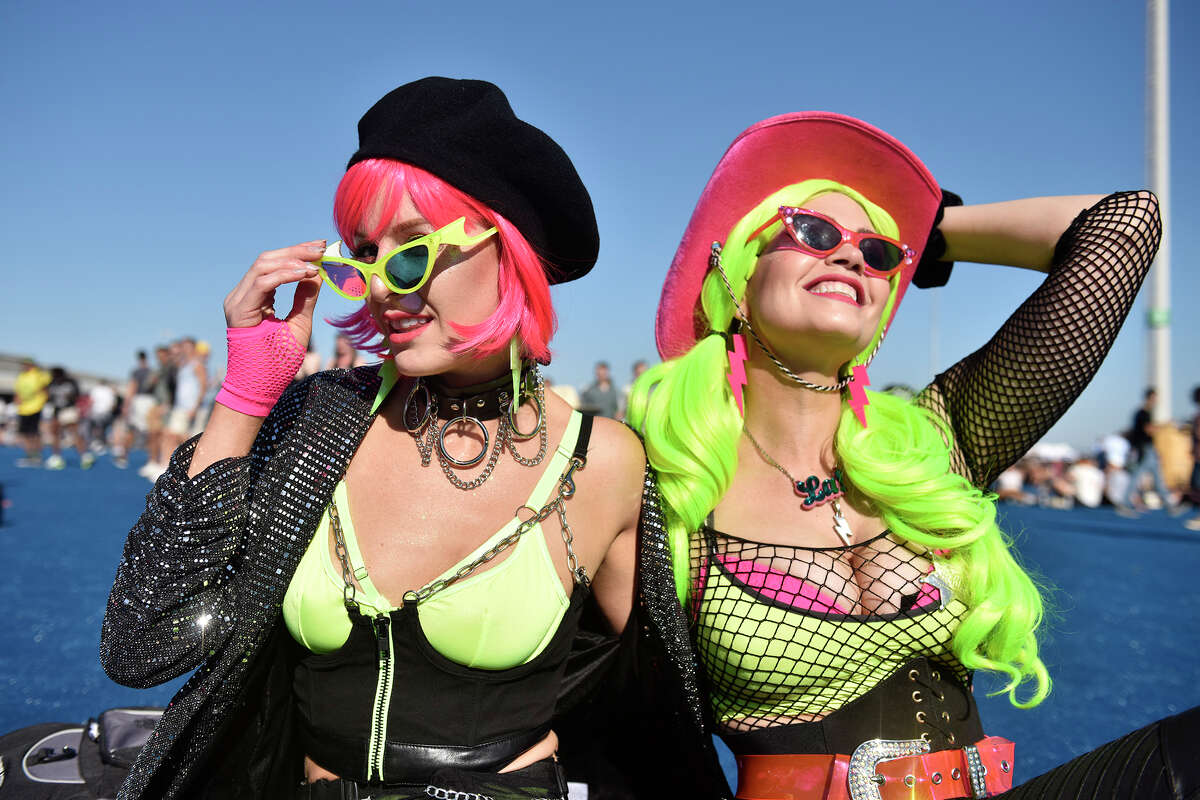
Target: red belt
880, 769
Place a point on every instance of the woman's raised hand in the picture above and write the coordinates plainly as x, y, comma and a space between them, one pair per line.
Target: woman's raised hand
253, 299
265, 352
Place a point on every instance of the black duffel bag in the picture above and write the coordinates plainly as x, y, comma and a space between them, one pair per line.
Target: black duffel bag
69, 761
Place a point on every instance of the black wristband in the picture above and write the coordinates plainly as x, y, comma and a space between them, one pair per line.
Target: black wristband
932, 271
1065, 242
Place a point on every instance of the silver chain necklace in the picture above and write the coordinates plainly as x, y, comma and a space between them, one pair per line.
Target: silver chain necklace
840, 526
430, 438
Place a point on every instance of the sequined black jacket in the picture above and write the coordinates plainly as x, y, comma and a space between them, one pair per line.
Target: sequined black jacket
201, 584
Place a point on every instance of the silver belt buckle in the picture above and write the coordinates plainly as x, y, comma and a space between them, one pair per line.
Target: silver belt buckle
864, 783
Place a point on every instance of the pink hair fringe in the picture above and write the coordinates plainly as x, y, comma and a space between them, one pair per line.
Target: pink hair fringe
524, 309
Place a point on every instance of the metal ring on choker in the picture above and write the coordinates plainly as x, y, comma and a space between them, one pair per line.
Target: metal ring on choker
470, 462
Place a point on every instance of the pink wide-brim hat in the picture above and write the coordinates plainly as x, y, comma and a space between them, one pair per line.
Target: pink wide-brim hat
778, 152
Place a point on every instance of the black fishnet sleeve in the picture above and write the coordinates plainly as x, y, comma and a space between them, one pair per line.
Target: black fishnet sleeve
1001, 399
173, 598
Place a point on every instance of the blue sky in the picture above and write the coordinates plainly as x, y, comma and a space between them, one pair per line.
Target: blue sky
152, 150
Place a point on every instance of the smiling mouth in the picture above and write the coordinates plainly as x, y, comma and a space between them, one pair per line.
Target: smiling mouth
836, 290
404, 328
411, 323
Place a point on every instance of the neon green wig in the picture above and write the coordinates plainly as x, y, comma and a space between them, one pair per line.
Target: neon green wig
899, 463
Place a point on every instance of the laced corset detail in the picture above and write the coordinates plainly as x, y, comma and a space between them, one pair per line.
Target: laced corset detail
790, 634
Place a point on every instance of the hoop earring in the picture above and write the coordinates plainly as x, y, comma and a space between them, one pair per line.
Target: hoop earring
515, 405
410, 412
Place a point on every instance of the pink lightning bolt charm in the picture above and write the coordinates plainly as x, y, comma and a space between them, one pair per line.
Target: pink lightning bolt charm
858, 393
737, 369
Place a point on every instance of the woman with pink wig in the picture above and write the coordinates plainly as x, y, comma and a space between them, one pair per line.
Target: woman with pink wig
342, 560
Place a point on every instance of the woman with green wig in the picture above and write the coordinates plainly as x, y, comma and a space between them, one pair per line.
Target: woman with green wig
821, 567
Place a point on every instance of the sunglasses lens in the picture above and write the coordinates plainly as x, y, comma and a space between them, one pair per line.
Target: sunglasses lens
406, 269
346, 279
880, 255
816, 232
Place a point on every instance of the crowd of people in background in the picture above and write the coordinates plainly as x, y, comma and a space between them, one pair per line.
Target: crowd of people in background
158, 407
164, 403
1124, 470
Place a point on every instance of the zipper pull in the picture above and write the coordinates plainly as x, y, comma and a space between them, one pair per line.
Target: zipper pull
382, 624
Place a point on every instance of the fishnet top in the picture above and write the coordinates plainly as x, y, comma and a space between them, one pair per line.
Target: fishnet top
790, 634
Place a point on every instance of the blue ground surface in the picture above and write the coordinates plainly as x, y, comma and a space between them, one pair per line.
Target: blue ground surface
1123, 647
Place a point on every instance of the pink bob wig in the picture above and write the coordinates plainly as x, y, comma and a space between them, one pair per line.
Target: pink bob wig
376, 186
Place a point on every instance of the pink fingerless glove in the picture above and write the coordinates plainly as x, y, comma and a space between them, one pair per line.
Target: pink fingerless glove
262, 362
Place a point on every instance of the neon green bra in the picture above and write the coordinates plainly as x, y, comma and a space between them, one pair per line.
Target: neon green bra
496, 619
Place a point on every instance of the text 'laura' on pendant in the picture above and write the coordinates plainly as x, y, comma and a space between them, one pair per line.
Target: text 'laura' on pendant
818, 492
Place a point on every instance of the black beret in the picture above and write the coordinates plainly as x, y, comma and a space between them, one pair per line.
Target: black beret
465, 132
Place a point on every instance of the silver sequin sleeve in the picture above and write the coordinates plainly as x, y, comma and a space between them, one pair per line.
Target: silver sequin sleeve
172, 600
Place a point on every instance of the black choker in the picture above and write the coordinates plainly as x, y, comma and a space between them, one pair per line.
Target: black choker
483, 401
427, 404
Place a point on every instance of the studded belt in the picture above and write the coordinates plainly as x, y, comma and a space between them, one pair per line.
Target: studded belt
880, 769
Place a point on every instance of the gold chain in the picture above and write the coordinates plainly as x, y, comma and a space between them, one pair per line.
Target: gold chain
840, 526
766, 457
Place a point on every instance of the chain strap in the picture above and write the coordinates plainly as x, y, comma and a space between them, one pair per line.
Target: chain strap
452, 794
566, 490
439, 793
339, 548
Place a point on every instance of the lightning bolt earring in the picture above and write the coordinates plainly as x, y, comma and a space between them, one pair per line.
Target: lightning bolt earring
858, 401
737, 368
